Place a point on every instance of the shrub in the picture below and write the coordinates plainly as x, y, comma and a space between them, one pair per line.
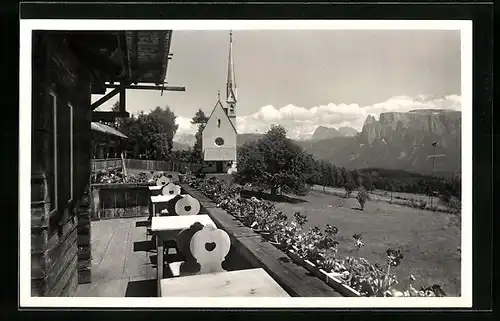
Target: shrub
349, 186
362, 197
421, 204
454, 205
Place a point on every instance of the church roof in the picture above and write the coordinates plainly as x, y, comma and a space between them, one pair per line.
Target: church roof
220, 104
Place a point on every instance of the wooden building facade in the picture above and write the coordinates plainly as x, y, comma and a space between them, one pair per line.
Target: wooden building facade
68, 67
107, 142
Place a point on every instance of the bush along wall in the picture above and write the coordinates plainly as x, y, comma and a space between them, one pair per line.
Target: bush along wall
316, 248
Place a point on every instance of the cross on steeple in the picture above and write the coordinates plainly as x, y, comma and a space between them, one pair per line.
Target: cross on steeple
218, 95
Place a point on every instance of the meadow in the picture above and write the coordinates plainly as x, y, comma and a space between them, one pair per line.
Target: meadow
429, 241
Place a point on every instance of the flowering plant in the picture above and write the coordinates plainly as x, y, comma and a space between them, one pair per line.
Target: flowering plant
317, 246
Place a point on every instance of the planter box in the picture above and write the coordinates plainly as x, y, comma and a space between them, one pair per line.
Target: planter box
329, 278
119, 200
336, 283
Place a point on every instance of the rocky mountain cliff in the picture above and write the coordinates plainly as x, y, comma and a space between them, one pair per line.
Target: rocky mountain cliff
399, 141
348, 131
323, 132
395, 141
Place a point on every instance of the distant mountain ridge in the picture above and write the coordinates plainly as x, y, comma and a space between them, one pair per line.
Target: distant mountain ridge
323, 132
401, 140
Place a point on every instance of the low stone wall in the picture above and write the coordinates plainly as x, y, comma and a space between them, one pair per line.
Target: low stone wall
118, 200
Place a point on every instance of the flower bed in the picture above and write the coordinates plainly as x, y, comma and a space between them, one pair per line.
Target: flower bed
116, 176
315, 249
115, 195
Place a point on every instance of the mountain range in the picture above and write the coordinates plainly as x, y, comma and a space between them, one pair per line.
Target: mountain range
397, 140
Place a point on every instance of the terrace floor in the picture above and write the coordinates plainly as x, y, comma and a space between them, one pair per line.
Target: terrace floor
118, 270
121, 264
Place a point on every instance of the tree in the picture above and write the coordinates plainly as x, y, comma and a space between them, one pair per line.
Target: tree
118, 121
201, 120
166, 119
368, 182
146, 136
275, 162
362, 197
116, 106
349, 184
339, 181
390, 187
357, 177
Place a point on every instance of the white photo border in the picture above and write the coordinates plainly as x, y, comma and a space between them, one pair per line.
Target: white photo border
27, 26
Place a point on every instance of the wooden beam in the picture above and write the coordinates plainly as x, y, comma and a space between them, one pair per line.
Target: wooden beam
133, 58
122, 100
150, 87
108, 116
161, 53
104, 99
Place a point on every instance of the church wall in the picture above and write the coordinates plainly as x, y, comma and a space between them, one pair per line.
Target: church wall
211, 167
217, 126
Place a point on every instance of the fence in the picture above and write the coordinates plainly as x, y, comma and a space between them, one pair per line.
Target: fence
97, 164
144, 165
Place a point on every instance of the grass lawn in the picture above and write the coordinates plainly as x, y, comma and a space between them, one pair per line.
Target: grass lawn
429, 246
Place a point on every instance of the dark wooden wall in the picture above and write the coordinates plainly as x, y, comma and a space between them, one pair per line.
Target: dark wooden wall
54, 245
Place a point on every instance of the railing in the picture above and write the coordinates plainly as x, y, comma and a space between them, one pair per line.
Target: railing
153, 165
144, 164
97, 164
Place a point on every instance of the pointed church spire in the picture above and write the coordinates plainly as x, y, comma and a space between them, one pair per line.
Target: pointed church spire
231, 97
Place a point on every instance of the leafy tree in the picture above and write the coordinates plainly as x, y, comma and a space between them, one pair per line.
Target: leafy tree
357, 177
340, 178
362, 197
275, 162
116, 106
317, 176
200, 119
349, 184
368, 182
147, 136
166, 119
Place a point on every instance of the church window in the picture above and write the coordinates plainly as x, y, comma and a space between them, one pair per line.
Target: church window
218, 123
219, 141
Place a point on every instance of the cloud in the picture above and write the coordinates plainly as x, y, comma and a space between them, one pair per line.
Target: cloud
302, 122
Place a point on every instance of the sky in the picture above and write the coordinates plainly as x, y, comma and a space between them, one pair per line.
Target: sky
302, 79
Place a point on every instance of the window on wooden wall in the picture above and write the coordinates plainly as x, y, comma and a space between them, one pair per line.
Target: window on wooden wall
53, 104
71, 154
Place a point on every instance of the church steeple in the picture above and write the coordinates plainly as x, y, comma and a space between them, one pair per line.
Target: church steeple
231, 98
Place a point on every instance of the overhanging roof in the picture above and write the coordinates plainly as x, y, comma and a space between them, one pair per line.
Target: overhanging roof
116, 56
99, 127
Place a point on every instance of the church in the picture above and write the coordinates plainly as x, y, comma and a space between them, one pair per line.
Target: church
219, 134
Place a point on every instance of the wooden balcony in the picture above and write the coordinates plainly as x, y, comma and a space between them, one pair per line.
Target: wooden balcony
122, 263
124, 259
